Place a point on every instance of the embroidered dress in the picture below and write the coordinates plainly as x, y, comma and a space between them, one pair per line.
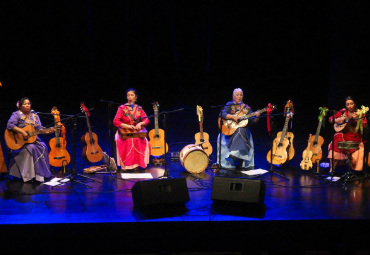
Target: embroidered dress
351, 135
238, 146
131, 152
32, 160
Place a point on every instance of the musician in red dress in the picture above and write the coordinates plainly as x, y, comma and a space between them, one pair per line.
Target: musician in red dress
131, 152
352, 134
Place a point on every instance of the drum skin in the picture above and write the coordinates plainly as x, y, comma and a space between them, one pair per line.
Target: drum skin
193, 158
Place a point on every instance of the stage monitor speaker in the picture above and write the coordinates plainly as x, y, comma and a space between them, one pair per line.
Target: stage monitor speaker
238, 190
159, 192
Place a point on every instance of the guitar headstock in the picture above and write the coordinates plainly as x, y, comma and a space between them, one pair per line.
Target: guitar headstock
200, 113
84, 109
289, 109
155, 106
55, 113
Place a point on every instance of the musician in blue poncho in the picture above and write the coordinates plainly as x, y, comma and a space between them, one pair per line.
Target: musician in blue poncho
237, 149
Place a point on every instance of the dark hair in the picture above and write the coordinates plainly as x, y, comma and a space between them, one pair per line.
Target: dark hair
21, 101
350, 98
133, 90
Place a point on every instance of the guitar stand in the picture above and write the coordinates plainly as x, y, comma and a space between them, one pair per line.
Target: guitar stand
73, 172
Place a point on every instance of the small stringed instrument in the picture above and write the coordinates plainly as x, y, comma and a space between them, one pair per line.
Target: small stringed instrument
230, 126
343, 127
306, 163
58, 155
91, 151
156, 136
283, 149
202, 138
15, 140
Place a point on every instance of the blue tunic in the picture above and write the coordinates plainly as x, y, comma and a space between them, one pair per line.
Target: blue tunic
238, 146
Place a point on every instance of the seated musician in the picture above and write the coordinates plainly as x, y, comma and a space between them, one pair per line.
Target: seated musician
31, 162
351, 137
237, 150
132, 152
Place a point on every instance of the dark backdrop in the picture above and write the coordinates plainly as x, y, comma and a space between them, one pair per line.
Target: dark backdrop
184, 53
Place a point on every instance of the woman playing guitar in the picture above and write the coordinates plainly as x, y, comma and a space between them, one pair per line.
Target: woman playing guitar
31, 161
353, 123
133, 150
237, 150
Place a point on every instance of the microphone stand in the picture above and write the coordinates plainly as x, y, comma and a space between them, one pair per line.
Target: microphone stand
164, 113
110, 140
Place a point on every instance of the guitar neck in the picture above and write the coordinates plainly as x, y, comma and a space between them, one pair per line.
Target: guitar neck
156, 133
201, 129
284, 129
37, 132
89, 127
253, 114
317, 132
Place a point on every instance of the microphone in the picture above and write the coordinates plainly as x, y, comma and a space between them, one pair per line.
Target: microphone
33, 111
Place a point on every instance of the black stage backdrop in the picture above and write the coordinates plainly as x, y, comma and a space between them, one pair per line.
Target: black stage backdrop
184, 53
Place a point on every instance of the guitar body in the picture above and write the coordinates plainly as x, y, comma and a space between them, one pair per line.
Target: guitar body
207, 147
230, 126
281, 152
306, 163
3, 168
58, 155
157, 142
341, 127
316, 149
91, 151
15, 140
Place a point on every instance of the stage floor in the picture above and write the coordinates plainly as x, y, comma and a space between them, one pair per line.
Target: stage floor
325, 215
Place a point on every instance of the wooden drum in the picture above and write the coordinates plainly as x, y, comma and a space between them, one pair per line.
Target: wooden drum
194, 158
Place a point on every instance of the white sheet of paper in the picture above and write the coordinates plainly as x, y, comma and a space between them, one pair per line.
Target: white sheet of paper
255, 171
335, 178
64, 180
55, 180
137, 176
50, 183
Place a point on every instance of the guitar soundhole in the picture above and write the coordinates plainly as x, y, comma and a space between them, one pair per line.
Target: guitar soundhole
156, 137
202, 140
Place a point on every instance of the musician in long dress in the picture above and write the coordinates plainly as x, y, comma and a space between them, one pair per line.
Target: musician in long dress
352, 135
237, 150
31, 162
132, 153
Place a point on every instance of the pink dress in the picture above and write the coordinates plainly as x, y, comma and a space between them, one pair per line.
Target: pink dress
131, 152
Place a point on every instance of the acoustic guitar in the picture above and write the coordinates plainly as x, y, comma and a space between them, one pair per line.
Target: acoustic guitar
343, 127
15, 140
202, 138
91, 151
230, 126
317, 141
156, 136
306, 163
283, 149
58, 155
